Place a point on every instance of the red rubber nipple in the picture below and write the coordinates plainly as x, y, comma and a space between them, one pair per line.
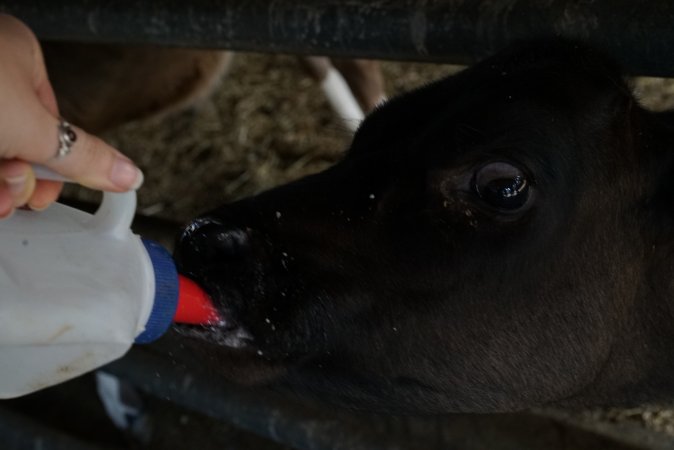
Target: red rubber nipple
194, 305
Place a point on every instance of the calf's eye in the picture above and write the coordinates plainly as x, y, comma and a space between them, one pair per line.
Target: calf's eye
502, 186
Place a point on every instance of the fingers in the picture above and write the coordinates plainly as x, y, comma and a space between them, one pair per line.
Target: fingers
46, 192
33, 135
18, 185
17, 36
93, 163
46, 96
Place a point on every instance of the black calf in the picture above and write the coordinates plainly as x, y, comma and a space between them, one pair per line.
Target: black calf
497, 240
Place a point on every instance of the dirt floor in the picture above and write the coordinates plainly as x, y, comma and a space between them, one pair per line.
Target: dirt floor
267, 124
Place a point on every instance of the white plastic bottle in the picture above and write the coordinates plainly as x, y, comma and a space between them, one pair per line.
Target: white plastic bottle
77, 290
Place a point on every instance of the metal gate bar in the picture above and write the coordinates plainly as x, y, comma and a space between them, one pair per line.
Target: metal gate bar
639, 34
298, 427
175, 375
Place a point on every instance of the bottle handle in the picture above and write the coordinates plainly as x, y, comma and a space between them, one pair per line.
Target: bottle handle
113, 216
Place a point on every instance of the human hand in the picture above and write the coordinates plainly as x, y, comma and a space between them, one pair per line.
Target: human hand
29, 132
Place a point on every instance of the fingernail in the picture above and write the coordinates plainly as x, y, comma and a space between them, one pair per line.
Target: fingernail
7, 214
125, 174
38, 208
16, 184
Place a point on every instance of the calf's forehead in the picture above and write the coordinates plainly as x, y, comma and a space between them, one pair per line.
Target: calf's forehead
536, 84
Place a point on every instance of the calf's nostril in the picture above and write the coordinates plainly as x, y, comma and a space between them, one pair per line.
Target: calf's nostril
206, 241
229, 241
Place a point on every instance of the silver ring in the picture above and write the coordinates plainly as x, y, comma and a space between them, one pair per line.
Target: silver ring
67, 138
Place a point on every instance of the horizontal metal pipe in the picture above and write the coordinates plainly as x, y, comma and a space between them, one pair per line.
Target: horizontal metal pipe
300, 427
172, 371
639, 34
